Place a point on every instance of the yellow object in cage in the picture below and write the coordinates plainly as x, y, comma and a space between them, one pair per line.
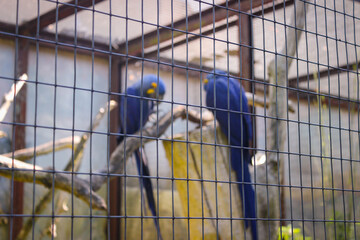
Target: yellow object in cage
202, 182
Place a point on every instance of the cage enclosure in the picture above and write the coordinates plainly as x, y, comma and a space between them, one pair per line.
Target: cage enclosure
181, 119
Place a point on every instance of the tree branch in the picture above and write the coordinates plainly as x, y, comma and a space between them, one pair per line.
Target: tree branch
258, 101
3, 134
133, 143
73, 165
24, 172
9, 97
269, 200
278, 72
253, 100
75, 159
28, 153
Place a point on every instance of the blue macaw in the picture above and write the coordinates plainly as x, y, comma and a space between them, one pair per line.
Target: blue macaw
136, 115
228, 89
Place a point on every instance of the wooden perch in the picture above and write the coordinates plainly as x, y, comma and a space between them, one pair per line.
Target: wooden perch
80, 147
74, 164
278, 71
253, 100
258, 101
28, 153
133, 143
9, 97
3, 134
195, 117
268, 200
62, 181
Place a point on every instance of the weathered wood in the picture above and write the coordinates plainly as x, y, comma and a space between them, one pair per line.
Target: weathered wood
24, 172
9, 97
62, 11
197, 162
268, 198
117, 158
3, 134
28, 153
73, 165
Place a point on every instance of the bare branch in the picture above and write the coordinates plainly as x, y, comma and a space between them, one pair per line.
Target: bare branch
278, 71
133, 143
28, 153
75, 160
3, 134
258, 101
253, 100
195, 117
74, 164
276, 134
9, 97
21, 173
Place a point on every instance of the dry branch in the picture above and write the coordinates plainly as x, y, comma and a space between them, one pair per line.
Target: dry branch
80, 147
278, 71
132, 143
74, 164
253, 100
9, 97
24, 172
268, 199
28, 153
3, 134
207, 116
195, 117
258, 101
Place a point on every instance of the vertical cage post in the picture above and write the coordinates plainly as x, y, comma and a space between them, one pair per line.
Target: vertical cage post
115, 183
19, 134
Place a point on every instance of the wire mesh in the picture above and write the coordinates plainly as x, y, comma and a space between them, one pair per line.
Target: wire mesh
132, 122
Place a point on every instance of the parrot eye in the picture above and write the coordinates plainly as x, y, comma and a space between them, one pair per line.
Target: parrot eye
206, 81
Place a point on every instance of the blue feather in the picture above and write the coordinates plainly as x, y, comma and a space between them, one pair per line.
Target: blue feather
143, 170
228, 101
134, 113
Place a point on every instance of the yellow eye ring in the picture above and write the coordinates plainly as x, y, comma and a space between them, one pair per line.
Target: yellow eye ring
206, 81
154, 85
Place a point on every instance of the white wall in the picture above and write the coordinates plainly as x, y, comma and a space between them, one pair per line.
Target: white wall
7, 67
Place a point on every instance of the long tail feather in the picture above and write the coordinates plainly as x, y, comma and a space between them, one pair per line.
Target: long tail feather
246, 190
146, 183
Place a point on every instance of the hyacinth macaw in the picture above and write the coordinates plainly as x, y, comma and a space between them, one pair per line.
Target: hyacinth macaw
228, 89
133, 115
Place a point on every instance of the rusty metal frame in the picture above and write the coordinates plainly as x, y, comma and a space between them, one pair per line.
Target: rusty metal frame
115, 183
85, 46
64, 11
21, 66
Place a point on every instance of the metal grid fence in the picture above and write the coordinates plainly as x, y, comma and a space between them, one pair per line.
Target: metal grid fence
179, 119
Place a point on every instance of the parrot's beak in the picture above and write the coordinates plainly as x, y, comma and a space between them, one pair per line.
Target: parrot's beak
161, 97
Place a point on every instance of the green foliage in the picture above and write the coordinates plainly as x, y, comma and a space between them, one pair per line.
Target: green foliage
291, 233
342, 231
